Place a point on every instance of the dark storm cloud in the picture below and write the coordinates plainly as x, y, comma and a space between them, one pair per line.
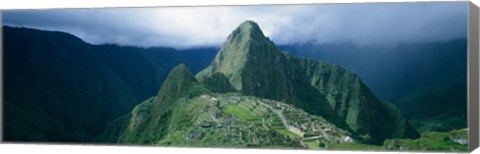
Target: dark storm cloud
363, 24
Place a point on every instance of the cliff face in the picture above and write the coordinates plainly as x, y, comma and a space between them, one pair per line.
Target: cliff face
352, 100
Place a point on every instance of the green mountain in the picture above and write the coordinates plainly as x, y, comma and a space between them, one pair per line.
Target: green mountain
394, 71
427, 81
254, 95
58, 88
184, 113
354, 102
439, 107
153, 119
218, 83
255, 67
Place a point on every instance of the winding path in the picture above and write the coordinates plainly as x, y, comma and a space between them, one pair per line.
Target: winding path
292, 129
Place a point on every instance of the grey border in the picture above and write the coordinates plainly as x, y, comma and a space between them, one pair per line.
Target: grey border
473, 76
1, 78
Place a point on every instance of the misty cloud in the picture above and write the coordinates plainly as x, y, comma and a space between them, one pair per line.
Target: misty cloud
183, 27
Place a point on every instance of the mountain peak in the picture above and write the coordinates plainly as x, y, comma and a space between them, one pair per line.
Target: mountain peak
245, 32
181, 74
249, 25
179, 81
181, 68
245, 47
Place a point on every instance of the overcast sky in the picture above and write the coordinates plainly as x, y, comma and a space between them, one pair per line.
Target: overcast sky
184, 27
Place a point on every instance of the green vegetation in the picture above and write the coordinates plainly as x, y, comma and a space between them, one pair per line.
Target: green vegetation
255, 67
456, 140
32, 128
284, 131
63, 89
156, 118
222, 120
240, 113
252, 95
114, 129
355, 146
449, 111
313, 145
217, 83
356, 104
255, 96
179, 83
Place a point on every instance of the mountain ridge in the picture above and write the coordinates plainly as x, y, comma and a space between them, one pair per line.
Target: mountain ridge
390, 72
255, 67
266, 72
152, 118
58, 88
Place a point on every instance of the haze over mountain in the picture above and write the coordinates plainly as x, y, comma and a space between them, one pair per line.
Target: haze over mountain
364, 24
426, 80
392, 72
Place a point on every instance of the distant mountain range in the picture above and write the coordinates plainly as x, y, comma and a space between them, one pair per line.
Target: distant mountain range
392, 72
60, 88
427, 81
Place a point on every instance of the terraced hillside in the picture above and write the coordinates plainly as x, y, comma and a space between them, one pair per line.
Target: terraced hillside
234, 120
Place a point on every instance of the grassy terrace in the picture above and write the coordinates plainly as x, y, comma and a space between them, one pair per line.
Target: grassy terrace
255, 124
239, 112
312, 145
249, 112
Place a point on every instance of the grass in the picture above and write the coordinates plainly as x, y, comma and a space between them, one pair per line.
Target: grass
354, 146
249, 118
430, 141
312, 145
255, 121
240, 113
435, 140
407, 144
440, 141
286, 132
